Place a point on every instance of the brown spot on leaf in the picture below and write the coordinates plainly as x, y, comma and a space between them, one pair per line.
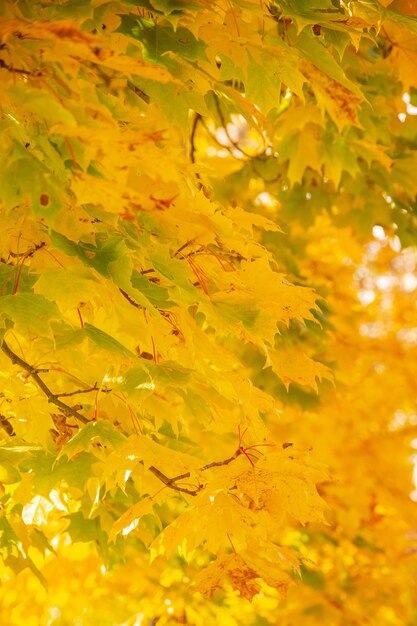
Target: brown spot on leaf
146, 355
339, 102
44, 199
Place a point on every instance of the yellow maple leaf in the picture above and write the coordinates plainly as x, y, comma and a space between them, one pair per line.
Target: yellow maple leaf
233, 566
293, 366
402, 54
130, 519
245, 568
339, 102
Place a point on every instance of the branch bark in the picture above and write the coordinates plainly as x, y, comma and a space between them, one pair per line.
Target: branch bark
172, 482
34, 374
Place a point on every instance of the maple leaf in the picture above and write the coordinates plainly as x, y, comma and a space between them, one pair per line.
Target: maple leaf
339, 102
244, 570
241, 574
296, 367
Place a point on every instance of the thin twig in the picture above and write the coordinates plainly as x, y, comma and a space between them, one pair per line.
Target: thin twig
213, 136
29, 253
220, 463
9, 68
171, 482
197, 119
78, 391
223, 122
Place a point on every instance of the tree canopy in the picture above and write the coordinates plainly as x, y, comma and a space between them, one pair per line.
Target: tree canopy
208, 324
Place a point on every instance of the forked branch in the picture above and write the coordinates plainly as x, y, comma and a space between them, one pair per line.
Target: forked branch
172, 483
34, 372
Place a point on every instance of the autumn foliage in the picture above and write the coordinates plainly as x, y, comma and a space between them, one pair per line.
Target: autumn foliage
208, 324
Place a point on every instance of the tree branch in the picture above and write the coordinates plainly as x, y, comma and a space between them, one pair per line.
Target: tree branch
220, 463
9, 68
34, 374
78, 391
172, 482
196, 120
